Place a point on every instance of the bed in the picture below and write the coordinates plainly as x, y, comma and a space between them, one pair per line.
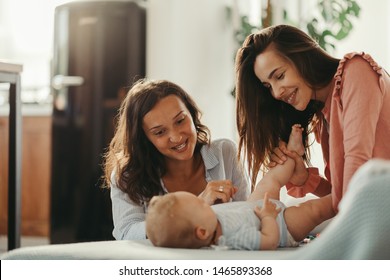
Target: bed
359, 231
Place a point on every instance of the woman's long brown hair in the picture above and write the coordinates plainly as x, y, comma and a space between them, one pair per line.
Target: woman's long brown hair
262, 121
136, 163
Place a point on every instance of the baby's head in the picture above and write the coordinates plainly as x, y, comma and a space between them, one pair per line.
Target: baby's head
180, 220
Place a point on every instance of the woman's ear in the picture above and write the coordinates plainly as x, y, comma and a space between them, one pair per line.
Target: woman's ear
201, 233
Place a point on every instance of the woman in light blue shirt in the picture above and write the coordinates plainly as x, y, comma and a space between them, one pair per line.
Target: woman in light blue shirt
161, 146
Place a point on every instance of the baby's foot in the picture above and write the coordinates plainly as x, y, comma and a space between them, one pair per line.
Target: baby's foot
295, 141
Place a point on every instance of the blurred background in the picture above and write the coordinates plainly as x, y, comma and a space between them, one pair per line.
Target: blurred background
78, 58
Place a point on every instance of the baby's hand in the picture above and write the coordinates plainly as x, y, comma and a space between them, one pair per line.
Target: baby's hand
268, 209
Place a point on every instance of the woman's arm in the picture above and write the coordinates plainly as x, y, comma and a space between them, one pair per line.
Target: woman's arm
128, 217
362, 100
222, 164
314, 184
240, 178
239, 174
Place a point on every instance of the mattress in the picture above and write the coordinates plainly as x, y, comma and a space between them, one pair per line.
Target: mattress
359, 231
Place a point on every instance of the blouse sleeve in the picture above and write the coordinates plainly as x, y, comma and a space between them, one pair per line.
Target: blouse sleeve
128, 217
315, 184
222, 164
240, 177
361, 100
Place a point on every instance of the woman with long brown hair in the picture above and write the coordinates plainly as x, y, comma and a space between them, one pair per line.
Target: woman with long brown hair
284, 77
161, 146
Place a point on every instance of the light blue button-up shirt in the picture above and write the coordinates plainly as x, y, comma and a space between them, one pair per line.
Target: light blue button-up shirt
221, 163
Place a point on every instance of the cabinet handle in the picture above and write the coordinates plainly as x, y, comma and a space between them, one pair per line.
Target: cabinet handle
60, 81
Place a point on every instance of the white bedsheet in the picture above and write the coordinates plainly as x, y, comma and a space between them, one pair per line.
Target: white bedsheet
359, 231
135, 250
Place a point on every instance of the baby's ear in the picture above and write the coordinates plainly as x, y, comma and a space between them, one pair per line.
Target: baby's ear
201, 233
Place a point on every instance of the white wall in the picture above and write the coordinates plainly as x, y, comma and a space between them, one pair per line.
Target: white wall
190, 42
371, 32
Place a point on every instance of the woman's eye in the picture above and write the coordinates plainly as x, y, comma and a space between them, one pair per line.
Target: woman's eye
181, 120
159, 133
281, 76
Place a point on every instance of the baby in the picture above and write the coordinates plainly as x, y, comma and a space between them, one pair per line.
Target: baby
183, 220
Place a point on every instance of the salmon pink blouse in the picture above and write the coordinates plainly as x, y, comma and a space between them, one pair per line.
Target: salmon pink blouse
355, 127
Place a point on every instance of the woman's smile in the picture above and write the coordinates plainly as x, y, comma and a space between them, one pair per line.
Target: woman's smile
290, 98
170, 128
181, 148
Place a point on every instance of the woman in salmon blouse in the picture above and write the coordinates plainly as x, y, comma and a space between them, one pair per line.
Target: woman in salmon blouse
284, 77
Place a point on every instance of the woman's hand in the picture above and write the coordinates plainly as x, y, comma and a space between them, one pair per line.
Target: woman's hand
220, 191
279, 156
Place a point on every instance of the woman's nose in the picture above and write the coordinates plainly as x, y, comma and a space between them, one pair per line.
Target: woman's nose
175, 138
277, 92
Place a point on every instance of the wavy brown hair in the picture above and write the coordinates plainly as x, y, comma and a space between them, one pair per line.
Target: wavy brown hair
263, 120
136, 163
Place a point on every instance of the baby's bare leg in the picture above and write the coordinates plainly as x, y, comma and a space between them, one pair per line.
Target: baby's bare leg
303, 218
295, 140
273, 180
279, 175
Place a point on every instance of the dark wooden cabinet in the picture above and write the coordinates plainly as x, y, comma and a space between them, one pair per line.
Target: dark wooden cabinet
36, 159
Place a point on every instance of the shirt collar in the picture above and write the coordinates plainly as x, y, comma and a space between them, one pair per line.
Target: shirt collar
209, 158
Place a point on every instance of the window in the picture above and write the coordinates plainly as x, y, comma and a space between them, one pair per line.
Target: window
26, 33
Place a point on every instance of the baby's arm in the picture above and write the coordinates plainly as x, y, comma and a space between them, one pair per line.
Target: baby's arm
269, 227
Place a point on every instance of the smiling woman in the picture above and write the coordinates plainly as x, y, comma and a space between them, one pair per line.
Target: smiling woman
280, 77
284, 77
161, 146
169, 127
